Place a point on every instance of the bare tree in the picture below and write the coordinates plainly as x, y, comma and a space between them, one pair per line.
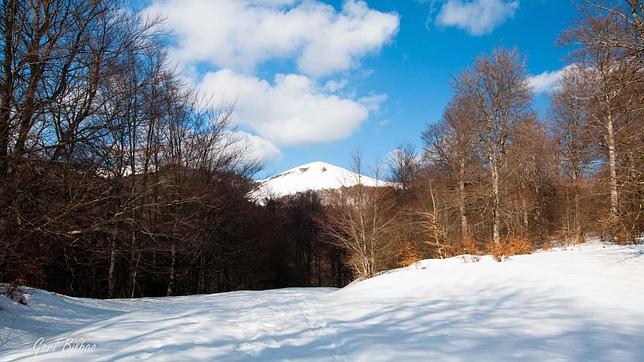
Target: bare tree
112, 167
570, 104
452, 144
359, 222
609, 42
498, 87
403, 166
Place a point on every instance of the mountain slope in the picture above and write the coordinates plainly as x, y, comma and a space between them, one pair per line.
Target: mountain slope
310, 176
581, 304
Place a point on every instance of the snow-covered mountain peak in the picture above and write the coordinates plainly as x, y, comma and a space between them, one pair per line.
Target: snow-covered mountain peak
316, 175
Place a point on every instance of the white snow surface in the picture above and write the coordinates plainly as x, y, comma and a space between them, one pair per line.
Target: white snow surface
585, 303
311, 176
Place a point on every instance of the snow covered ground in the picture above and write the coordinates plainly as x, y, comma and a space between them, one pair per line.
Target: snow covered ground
584, 303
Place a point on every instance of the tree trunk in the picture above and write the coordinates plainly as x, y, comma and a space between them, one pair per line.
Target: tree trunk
110, 278
136, 269
496, 237
4, 135
7, 92
461, 200
434, 224
612, 167
172, 272
526, 216
579, 235
134, 264
202, 274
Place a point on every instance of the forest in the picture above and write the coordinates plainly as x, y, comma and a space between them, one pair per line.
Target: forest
120, 180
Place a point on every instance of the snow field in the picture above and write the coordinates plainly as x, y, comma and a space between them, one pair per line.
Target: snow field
584, 303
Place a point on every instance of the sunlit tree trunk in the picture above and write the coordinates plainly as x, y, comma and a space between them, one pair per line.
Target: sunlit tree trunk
612, 166
461, 199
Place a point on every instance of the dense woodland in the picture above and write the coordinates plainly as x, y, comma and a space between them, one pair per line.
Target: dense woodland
118, 180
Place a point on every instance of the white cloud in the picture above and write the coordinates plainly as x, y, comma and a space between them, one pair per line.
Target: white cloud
292, 109
335, 85
243, 33
235, 37
373, 101
256, 148
478, 17
546, 81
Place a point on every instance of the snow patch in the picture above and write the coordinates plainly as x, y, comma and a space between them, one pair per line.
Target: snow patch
311, 176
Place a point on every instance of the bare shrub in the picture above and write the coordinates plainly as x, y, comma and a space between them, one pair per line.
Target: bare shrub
515, 245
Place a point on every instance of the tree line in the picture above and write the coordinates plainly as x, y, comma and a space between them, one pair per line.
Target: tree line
495, 176
119, 180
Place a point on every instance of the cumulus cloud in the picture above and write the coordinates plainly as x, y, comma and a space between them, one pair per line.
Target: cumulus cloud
546, 81
477, 17
335, 85
241, 34
254, 147
292, 109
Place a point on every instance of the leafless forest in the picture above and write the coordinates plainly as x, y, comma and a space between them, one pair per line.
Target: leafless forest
119, 180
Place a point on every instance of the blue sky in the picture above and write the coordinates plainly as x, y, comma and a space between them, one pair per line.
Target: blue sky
315, 80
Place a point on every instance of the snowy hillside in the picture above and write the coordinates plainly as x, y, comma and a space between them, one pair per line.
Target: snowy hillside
586, 303
311, 176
